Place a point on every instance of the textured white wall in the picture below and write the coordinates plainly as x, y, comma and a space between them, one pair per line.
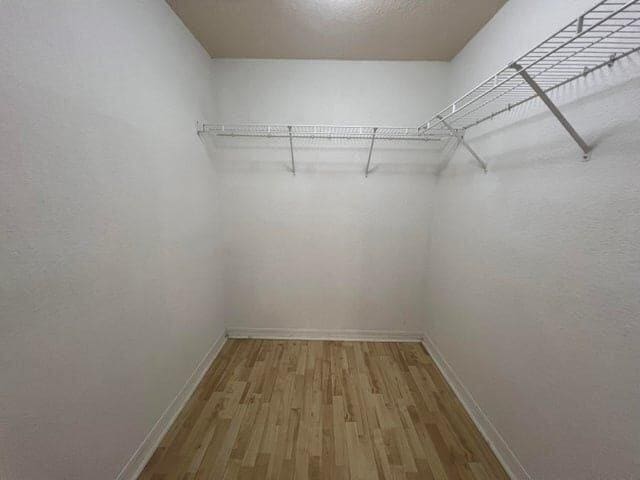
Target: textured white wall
534, 268
108, 276
327, 249
108, 286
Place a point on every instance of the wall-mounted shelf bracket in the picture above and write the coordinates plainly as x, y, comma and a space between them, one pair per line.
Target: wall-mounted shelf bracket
293, 162
586, 149
373, 139
459, 135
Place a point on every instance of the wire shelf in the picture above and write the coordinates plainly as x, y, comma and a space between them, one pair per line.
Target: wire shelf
601, 36
329, 132
604, 34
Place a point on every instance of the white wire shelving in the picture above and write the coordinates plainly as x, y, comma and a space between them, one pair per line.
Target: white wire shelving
326, 132
601, 36
329, 132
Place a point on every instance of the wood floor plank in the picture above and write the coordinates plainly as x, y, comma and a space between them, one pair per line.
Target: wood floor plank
319, 410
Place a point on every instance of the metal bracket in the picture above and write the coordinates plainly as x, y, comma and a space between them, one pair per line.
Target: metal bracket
293, 162
459, 135
200, 127
373, 139
586, 149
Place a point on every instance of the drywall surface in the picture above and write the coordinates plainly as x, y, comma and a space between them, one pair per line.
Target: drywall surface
108, 276
534, 268
328, 248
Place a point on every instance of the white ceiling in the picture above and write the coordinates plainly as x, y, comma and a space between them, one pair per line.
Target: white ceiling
336, 29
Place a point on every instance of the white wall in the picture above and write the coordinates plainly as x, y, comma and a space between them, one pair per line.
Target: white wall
109, 278
108, 275
327, 249
534, 268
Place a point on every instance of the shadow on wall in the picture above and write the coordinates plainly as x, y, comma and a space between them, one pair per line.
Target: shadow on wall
321, 156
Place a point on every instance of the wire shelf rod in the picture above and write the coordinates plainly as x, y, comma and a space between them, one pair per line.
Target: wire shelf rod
327, 132
534, 75
544, 83
531, 97
563, 46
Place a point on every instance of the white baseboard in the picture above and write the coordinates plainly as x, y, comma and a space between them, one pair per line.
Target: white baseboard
141, 456
323, 334
505, 455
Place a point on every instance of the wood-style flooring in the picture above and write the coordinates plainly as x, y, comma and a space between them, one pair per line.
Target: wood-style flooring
271, 409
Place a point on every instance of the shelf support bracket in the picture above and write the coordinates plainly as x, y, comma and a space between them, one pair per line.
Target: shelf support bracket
293, 161
459, 135
373, 139
586, 149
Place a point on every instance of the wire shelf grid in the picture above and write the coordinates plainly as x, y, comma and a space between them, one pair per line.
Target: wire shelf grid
604, 34
329, 132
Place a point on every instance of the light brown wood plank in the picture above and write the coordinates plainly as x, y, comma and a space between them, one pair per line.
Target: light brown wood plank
317, 410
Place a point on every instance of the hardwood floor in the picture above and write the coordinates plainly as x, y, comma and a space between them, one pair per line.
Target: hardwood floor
323, 410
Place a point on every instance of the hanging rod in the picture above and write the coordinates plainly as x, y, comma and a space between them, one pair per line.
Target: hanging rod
598, 38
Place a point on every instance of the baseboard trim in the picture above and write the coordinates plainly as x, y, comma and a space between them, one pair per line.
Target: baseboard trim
323, 334
141, 456
498, 445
